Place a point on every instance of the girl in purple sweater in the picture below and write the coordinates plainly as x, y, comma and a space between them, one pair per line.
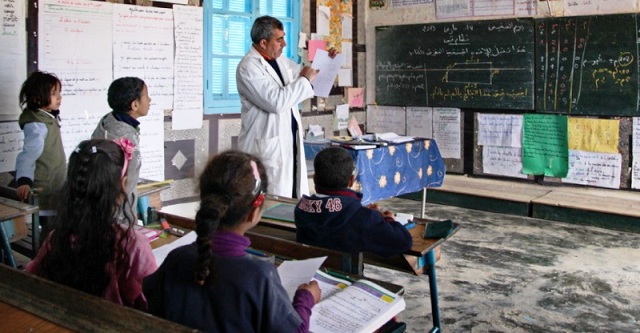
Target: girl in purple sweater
213, 285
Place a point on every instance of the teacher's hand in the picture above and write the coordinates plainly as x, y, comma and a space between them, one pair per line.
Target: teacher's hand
309, 73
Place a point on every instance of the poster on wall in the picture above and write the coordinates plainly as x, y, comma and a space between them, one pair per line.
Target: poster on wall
188, 85
143, 43
65, 30
13, 55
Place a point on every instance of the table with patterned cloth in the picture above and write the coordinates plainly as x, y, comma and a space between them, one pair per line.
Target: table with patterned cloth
393, 170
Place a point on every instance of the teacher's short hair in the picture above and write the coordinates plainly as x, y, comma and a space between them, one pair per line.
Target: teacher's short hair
263, 28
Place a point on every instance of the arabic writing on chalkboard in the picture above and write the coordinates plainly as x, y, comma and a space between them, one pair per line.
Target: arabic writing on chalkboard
482, 64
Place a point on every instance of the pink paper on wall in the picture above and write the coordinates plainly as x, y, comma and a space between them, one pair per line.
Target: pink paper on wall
315, 45
355, 97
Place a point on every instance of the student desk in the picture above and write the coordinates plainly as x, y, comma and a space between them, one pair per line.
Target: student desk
393, 170
39, 305
282, 249
149, 196
13, 212
421, 259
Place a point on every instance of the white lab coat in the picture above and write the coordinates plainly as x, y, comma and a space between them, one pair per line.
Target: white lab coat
266, 119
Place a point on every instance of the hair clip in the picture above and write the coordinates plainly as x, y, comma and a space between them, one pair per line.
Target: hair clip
127, 148
94, 150
257, 191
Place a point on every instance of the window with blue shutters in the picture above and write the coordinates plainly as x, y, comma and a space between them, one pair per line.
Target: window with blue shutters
226, 32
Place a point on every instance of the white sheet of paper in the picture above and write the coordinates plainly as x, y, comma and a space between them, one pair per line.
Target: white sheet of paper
328, 69
85, 72
446, 131
420, 121
322, 21
503, 130
342, 116
188, 64
594, 169
635, 171
587, 7
302, 40
345, 77
161, 252
347, 50
502, 161
11, 142
13, 52
382, 118
347, 23
296, 272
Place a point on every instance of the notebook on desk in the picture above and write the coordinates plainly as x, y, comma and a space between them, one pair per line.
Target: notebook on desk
280, 212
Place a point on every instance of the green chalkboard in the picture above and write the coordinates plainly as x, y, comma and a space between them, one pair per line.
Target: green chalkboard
479, 64
587, 65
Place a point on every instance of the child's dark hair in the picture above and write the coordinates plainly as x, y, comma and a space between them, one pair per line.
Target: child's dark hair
123, 91
86, 237
333, 168
36, 90
227, 193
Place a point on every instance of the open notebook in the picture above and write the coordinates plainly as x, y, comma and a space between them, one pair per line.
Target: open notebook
345, 306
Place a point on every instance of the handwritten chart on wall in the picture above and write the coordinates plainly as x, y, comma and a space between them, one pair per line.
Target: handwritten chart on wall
140, 39
587, 65
480, 64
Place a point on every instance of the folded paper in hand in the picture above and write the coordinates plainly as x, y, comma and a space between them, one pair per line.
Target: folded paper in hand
404, 218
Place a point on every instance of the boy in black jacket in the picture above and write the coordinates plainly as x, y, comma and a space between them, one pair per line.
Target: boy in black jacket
334, 217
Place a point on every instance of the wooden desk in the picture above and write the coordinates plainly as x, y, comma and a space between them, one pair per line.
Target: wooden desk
421, 259
13, 319
147, 188
34, 302
12, 211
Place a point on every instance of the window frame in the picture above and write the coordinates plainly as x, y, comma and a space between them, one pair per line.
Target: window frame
230, 105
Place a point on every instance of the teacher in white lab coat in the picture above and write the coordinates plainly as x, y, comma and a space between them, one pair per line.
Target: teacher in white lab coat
271, 86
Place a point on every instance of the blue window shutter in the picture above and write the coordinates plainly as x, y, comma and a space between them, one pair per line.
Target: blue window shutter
227, 28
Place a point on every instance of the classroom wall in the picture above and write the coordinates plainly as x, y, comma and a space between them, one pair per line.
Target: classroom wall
383, 13
187, 151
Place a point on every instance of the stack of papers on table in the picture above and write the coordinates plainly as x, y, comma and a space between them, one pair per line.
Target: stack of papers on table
394, 138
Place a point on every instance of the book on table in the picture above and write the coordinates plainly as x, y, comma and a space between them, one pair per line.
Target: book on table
345, 306
151, 234
352, 306
351, 143
393, 137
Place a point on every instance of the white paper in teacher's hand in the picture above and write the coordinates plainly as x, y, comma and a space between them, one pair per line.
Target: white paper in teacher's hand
328, 70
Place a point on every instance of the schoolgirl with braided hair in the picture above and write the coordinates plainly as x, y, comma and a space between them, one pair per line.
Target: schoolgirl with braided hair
213, 285
89, 248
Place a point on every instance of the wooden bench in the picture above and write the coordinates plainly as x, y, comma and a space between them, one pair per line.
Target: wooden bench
34, 301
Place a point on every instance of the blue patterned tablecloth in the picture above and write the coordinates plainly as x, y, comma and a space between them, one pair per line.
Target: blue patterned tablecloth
393, 170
